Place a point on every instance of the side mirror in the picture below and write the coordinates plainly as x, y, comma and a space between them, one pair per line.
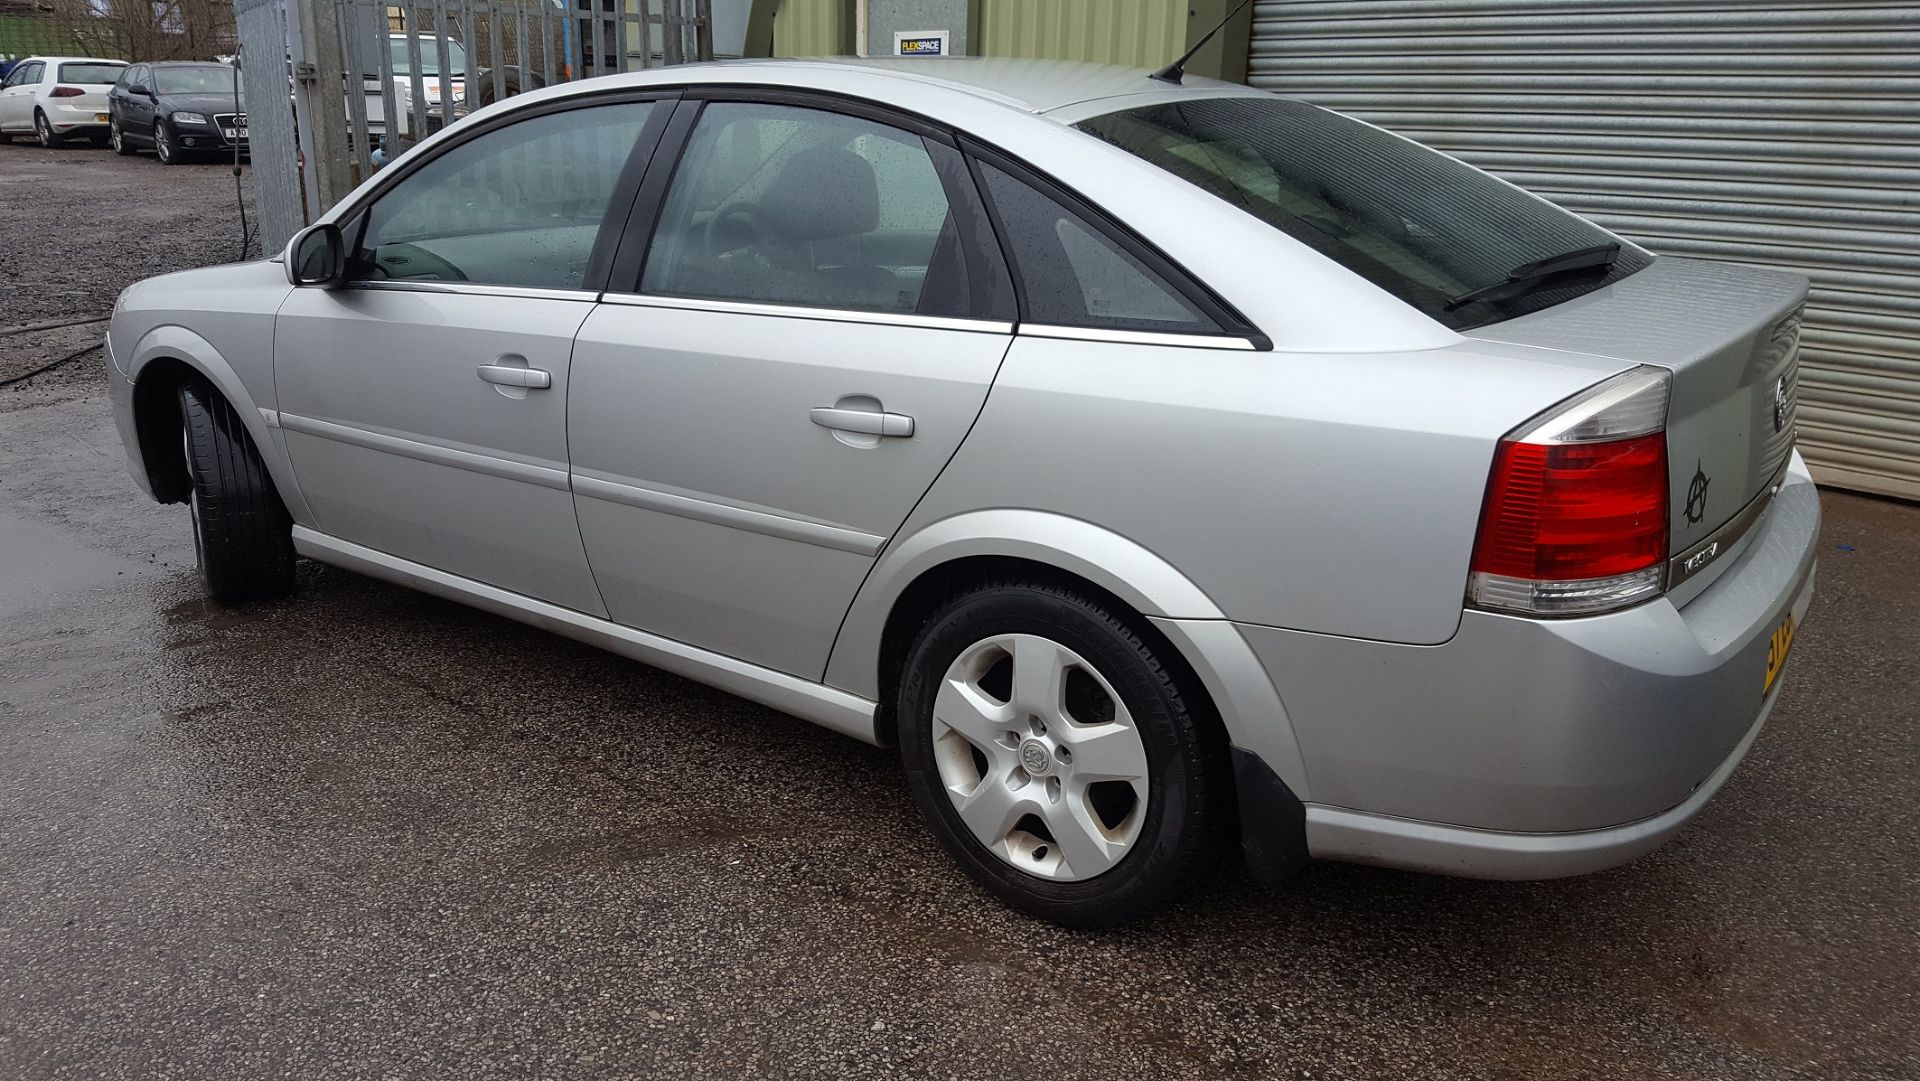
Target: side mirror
317, 256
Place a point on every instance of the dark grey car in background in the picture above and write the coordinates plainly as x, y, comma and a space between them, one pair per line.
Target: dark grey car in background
178, 109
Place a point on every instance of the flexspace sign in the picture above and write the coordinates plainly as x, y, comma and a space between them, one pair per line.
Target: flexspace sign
920, 43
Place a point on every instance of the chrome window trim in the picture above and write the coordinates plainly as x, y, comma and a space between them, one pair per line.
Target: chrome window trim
1135, 337
765, 523
545, 476
1723, 541
796, 311
587, 296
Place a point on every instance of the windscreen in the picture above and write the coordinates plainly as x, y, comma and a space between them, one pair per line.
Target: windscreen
429, 57
95, 74
207, 79
1418, 224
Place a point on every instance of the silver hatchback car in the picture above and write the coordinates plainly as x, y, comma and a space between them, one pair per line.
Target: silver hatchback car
1155, 465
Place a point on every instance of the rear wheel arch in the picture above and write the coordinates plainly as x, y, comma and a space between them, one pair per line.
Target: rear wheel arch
935, 587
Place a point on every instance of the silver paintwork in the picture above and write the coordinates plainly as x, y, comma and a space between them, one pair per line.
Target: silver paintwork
1040, 759
1296, 522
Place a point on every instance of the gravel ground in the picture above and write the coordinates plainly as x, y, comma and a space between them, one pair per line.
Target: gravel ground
365, 833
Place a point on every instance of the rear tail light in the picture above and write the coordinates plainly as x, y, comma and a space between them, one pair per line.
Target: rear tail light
66, 92
1575, 521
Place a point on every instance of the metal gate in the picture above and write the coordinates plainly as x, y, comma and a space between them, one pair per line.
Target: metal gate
370, 78
1784, 133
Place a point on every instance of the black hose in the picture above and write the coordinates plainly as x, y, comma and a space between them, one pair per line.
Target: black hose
51, 365
239, 196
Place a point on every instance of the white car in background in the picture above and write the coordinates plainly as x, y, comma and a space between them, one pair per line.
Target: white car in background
54, 97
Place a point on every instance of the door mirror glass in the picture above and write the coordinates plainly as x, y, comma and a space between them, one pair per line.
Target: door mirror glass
317, 256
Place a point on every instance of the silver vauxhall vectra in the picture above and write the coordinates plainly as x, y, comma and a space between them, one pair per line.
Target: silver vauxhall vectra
1157, 466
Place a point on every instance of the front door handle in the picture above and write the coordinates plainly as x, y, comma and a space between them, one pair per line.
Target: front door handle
511, 376
863, 421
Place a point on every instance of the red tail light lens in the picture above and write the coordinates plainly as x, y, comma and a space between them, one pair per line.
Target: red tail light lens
66, 92
1576, 515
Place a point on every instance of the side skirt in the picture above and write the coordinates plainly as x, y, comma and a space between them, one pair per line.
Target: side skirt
844, 713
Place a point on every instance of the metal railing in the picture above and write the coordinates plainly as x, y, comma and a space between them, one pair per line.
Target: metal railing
370, 78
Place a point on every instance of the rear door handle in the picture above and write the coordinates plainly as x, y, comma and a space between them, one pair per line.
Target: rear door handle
863, 421
510, 376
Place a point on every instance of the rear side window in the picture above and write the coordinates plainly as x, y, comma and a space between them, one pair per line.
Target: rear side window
1418, 224
782, 204
1073, 275
97, 74
26, 74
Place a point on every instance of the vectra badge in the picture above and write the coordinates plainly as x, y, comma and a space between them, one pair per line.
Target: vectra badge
1780, 404
1697, 495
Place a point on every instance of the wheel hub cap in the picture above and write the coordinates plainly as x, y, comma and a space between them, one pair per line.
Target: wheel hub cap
1040, 758
1036, 758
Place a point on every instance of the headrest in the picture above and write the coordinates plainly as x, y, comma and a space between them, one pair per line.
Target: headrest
822, 192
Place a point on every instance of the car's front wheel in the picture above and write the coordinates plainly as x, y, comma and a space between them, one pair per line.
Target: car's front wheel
242, 534
1057, 755
163, 147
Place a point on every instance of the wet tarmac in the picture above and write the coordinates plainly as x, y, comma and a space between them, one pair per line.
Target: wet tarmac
365, 833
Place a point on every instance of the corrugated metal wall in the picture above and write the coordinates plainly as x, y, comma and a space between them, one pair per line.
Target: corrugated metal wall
1138, 33
812, 28
1771, 132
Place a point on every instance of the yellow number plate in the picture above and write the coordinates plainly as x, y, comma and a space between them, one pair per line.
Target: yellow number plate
1777, 648
99, 118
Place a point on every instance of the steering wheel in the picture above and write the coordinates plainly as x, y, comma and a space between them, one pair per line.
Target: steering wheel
414, 263
759, 234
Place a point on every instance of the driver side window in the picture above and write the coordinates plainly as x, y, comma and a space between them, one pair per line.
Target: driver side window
518, 206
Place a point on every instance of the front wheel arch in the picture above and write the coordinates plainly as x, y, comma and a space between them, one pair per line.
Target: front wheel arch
156, 418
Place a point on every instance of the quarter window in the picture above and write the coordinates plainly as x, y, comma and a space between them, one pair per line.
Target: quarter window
781, 204
1073, 275
520, 206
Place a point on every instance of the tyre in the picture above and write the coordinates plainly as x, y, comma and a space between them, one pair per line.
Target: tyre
242, 535
1056, 755
43, 131
118, 140
512, 81
163, 147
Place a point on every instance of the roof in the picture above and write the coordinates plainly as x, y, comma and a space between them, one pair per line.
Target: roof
1037, 86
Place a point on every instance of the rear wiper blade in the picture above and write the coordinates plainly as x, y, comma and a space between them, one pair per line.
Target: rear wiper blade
1600, 255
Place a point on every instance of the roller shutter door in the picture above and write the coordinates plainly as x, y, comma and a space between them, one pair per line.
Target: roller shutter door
1754, 131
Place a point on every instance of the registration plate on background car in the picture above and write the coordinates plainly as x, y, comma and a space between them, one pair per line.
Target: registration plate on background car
1777, 648
99, 118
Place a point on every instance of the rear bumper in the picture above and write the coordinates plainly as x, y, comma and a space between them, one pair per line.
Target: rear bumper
66, 117
1539, 748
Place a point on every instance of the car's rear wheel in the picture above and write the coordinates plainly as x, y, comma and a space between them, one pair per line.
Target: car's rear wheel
163, 147
1057, 756
242, 534
43, 130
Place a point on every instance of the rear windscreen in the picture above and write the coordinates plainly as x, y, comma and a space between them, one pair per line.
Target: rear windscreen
98, 74
1414, 222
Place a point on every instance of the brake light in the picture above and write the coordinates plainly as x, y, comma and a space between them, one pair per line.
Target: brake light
1575, 520
66, 92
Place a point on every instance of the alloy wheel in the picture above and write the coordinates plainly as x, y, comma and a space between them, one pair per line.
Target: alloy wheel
163, 144
1040, 757
113, 137
43, 130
